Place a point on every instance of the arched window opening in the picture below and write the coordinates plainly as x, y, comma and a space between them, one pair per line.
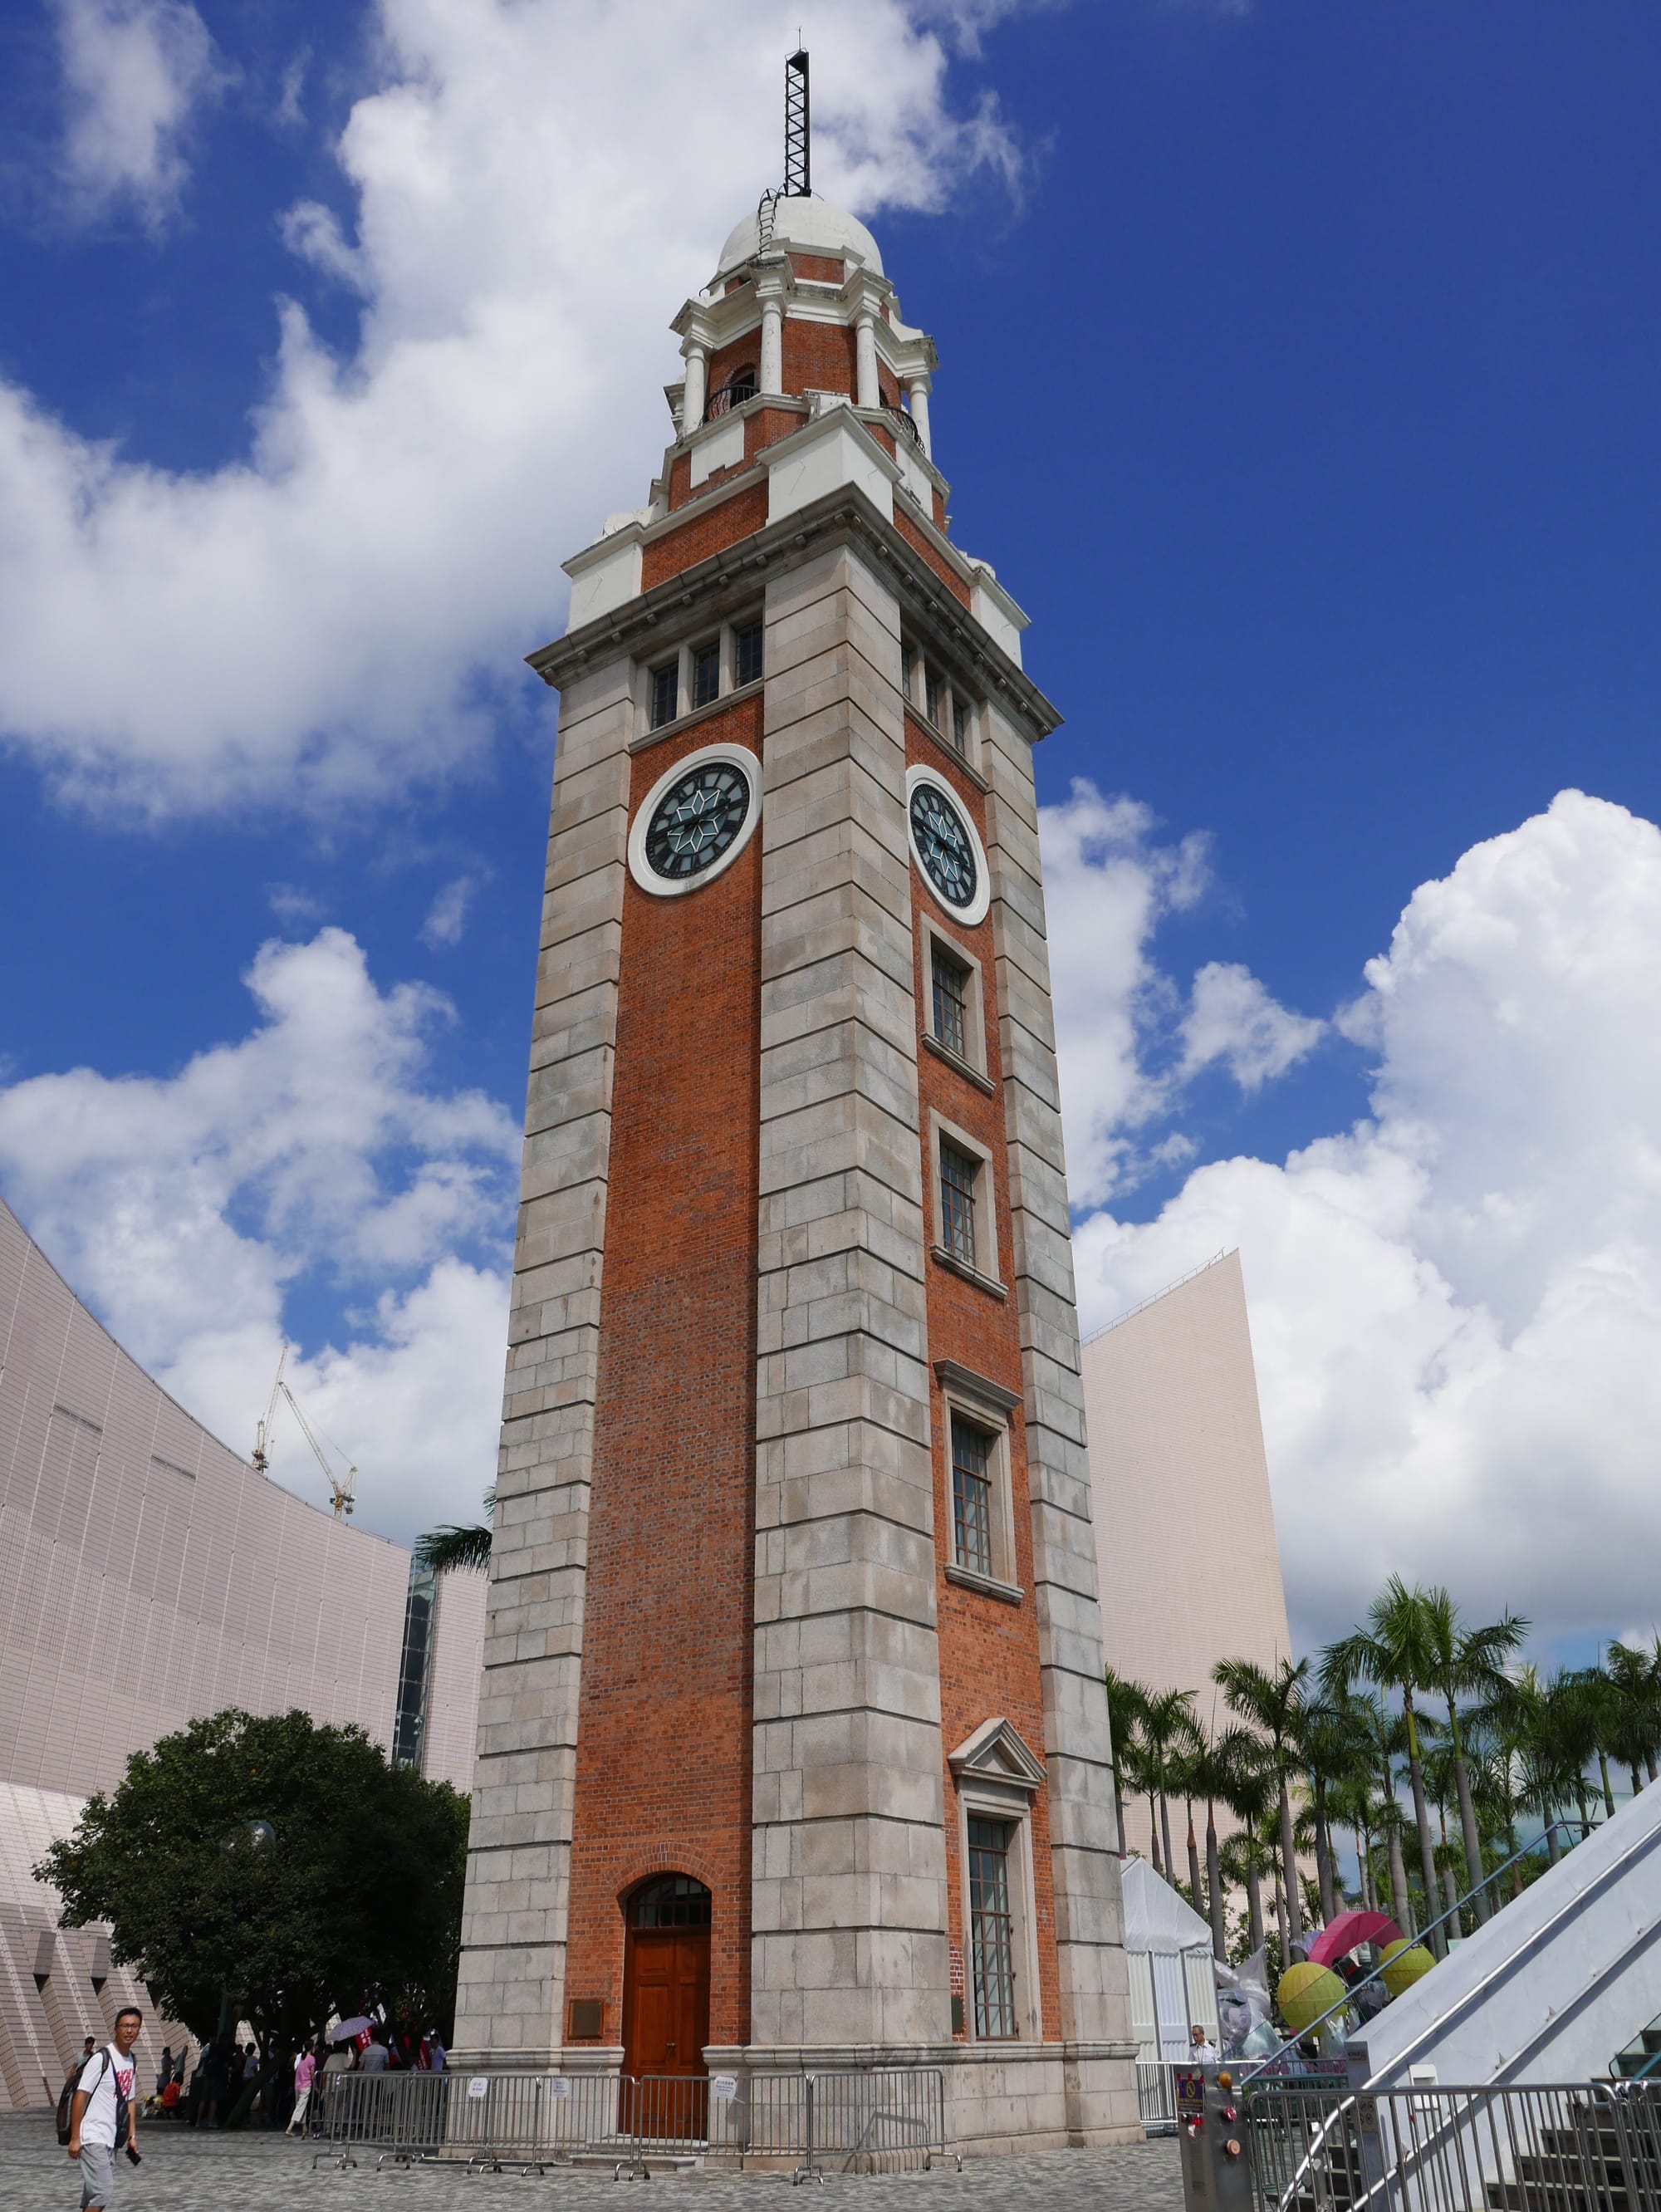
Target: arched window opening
674, 1900
738, 387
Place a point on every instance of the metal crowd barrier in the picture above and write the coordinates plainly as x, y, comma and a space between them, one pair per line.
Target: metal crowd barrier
865, 2121
1157, 2095
1586, 2146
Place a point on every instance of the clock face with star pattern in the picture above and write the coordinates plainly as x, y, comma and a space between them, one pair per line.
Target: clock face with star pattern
695, 820
945, 847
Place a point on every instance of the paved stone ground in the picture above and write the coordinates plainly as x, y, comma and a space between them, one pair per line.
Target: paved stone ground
187, 2173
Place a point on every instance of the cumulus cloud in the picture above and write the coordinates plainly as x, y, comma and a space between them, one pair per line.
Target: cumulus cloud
1455, 1304
322, 616
134, 73
309, 1158
1231, 1018
1107, 882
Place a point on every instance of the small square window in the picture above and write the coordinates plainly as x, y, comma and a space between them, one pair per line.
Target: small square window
665, 693
990, 1928
931, 678
706, 673
972, 1495
958, 1172
747, 654
960, 725
951, 1003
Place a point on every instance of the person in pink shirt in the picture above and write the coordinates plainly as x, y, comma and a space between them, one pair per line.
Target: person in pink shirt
305, 2067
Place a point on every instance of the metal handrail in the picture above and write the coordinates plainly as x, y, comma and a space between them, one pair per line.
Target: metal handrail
900, 416
1375, 1974
729, 397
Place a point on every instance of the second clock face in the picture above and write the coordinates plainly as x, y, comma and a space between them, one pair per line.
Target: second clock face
944, 846
696, 820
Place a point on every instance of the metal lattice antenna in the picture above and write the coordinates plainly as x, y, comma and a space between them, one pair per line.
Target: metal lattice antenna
798, 165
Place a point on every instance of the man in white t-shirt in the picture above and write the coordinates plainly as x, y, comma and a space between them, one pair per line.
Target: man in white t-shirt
105, 2106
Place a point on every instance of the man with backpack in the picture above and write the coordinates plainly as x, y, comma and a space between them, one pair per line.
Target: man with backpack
104, 2112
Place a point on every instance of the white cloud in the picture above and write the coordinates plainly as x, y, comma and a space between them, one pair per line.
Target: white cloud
134, 71
316, 620
1232, 1018
1455, 1305
447, 918
1106, 885
310, 1155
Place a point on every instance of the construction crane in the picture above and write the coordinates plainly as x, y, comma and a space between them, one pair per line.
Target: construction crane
342, 1490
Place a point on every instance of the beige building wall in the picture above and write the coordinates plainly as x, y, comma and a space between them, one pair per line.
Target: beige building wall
148, 1576
1190, 1568
451, 1736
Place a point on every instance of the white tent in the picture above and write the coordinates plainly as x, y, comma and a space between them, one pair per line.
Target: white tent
1168, 1948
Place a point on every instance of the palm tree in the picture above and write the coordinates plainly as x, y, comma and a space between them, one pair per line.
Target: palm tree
442, 1551
1127, 1701
1634, 1728
1166, 1728
1396, 1650
1249, 1796
1332, 1748
1466, 1662
1208, 1769
1273, 1704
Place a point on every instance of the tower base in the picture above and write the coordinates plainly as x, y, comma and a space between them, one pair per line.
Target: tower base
1000, 2097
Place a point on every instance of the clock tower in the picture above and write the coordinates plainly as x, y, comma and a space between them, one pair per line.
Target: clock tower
793, 1740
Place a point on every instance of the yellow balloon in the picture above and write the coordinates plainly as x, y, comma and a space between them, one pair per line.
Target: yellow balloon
1404, 1965
1304, 1992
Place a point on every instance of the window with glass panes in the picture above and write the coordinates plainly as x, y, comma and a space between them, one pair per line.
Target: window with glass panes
706, 673
908, 672
665, 693
960, 724
747, 654
991, 1932
972, 1495
958, 1171
951, 1003
935, 690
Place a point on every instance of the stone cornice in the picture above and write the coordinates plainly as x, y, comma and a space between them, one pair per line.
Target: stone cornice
843, 516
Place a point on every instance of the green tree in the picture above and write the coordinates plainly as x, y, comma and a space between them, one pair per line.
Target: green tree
286, 1864
1127, 1701
1395, 1650
1167, 1728
1633, 1726
1249, 1793
453, 1548
1467, 1663
1273, 1704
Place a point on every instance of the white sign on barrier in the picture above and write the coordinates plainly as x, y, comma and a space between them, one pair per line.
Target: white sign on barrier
559, 2086
479, 2086
723, 2088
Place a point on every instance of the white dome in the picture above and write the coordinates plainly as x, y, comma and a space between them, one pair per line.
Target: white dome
810, 226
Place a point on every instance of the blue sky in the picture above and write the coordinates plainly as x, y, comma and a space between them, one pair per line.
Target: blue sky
1298, 375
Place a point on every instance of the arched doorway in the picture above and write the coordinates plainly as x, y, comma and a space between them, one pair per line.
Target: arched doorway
666, 1984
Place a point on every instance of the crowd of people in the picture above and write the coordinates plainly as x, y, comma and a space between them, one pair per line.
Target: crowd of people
205, 2095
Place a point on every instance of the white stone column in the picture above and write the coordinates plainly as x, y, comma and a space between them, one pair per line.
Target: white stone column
772, 291
918, 389
870, 394
695, 354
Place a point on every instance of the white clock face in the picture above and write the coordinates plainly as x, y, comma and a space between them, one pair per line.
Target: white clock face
945, 846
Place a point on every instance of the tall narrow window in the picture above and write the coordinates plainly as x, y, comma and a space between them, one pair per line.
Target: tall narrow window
706, 672
958, 1171
665, 694
908, 672
972, 1495
935, 689
960, 725
951, 1003
747, 654
990, 1929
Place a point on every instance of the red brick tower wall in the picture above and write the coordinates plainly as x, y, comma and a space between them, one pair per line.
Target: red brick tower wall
663, 1729
988, 1654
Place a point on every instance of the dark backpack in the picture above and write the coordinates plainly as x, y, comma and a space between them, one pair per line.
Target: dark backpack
66, 2100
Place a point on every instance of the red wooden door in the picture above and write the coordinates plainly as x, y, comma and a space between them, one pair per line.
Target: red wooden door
665, 2027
